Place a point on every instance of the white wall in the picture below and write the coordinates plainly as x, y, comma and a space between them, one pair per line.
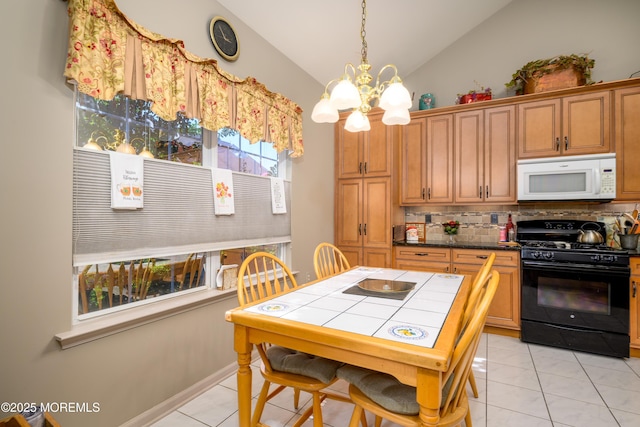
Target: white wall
526, 30
132, 371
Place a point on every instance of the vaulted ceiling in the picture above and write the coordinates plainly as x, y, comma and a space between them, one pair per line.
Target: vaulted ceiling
322, 36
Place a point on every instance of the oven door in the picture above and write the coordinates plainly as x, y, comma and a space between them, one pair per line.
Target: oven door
576, 296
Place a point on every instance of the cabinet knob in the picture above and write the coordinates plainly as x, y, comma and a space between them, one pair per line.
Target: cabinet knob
480, 192
429, 193
566, 143
487, 191
360, 168
633, 285
423, 193
359, 229
365, 229
557, 144
365, 167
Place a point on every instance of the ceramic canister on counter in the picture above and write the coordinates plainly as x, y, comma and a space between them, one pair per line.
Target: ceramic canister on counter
427, 101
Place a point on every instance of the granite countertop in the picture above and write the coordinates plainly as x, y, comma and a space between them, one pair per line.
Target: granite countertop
460, 245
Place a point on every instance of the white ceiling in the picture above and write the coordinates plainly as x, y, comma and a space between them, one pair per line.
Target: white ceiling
322, 36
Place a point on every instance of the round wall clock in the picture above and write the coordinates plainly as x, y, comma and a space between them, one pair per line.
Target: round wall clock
224, 38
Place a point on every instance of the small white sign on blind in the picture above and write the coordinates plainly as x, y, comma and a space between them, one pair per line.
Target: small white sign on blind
278, 200
127, 181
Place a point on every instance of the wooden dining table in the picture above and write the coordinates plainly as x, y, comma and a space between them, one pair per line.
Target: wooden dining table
357, 317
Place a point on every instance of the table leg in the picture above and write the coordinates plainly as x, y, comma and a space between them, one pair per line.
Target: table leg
243, 348
428, 381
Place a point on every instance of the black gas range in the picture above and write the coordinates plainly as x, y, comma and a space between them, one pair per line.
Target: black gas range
574, 295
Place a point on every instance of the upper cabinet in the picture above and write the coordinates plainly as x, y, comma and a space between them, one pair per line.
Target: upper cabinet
569, 125
363, 154
627, 137
426, 161
485, 156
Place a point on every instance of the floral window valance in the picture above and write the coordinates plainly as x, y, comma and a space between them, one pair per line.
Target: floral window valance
109, 54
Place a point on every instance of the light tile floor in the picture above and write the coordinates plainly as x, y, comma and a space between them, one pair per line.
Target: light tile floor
520, 384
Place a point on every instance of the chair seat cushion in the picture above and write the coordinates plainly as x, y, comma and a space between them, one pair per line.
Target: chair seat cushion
286, 360
383, 389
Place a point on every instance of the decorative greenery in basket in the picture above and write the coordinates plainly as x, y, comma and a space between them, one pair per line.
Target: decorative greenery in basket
540, 67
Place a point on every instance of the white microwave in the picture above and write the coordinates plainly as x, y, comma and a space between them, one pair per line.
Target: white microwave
588, 177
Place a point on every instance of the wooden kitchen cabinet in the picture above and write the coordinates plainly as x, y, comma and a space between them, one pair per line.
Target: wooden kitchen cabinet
422, 259
485, 156
627, 137
634, 303
569, 125
504, 311
426, 160
366, 205
363, 154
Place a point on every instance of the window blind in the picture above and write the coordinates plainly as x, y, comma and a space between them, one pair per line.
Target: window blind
178, 215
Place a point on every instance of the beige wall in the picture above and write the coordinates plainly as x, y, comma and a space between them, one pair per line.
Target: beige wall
130, 372
527, 30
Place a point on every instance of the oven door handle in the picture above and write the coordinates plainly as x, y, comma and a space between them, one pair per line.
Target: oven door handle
568, 328
603, 269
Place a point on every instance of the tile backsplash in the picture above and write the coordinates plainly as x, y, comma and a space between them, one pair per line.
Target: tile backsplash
475, 221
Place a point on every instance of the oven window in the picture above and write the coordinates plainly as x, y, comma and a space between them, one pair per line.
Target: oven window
558, 183
574, 295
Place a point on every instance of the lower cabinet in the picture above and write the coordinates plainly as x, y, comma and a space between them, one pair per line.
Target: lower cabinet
634, 303
505, 308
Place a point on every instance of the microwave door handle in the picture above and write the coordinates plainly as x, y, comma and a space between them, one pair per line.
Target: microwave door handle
597, 180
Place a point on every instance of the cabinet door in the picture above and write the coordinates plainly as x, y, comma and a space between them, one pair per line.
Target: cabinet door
377, 149
634, 303
348, 155
353, 254
500, 155
431, 266
505, 308
586, 127
440, 159
413, 157
469, 157
377, 257
376, 230
348, 216
627, 132
539, 129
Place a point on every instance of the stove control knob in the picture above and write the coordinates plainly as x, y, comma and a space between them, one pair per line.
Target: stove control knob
547, 255
573, 316
595, 258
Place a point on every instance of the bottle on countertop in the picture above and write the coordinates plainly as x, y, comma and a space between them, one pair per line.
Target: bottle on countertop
511, 231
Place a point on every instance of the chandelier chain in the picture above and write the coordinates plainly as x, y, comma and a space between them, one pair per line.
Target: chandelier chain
363, 33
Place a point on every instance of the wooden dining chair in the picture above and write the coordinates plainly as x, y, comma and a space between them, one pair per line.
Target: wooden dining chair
474, 293
387, 398
329, 260
263, 275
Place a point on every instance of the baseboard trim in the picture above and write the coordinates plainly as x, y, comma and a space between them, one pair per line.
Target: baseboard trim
174, 402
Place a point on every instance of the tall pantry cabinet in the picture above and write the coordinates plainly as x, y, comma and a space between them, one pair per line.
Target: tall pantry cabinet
366, 199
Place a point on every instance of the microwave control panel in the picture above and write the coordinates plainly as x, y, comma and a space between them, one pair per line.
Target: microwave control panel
607, 181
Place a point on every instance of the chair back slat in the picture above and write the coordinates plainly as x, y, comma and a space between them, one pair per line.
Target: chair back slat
329, 260
263, 275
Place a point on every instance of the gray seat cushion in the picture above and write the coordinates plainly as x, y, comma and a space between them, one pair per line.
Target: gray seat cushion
286, 360
383, 389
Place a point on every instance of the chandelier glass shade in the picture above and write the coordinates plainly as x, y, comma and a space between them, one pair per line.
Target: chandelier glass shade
353, 91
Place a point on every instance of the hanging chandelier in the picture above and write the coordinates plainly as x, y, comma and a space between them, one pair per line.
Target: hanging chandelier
356, 94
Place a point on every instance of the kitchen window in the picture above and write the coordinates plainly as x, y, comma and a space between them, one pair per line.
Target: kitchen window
175, 244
